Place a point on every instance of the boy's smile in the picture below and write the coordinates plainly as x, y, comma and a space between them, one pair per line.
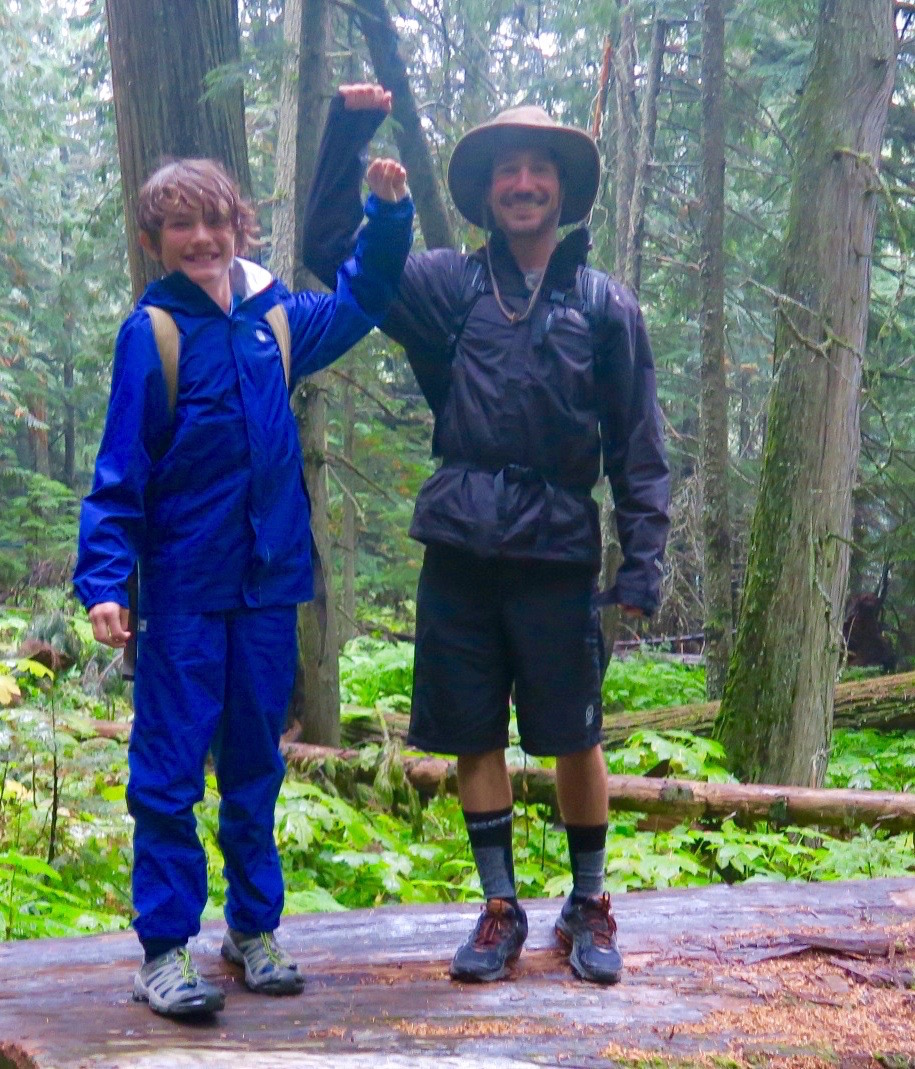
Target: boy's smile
201, 250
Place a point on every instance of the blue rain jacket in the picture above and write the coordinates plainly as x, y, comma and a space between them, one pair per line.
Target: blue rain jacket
212, 501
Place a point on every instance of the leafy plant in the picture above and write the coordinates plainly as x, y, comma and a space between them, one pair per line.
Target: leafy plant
644, 682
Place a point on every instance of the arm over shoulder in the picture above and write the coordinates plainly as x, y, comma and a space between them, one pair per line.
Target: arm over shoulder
324, 326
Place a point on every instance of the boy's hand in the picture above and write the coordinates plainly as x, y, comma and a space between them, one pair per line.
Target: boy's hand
365, 97
387, 179
109, 624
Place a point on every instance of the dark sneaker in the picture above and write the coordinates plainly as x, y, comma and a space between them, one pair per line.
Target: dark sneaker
268, 969
494, 944
588, 927
172, 986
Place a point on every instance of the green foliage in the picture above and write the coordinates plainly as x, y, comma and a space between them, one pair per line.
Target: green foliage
375, 673
687, 756
65, 843
642, 682
872, 760
37, 525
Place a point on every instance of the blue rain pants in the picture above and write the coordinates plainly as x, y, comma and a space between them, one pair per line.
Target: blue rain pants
220, 682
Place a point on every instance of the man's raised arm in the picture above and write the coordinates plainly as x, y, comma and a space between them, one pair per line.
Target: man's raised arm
334, 212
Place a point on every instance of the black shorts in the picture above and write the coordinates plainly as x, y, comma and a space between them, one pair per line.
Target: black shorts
485, 627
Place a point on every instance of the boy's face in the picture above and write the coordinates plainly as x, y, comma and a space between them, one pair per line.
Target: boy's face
203, 251
525, 193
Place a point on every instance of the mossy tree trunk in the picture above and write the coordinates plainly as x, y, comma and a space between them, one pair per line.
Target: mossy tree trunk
303, 90
716, 532
162, 54
776, 714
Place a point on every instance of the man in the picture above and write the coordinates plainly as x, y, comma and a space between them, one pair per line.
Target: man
536, 368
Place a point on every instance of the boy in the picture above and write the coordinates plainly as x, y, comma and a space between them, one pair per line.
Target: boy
209, 497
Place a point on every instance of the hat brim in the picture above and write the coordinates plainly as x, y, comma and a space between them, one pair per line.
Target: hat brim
470, 169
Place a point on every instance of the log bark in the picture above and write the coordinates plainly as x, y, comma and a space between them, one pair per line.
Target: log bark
887, 703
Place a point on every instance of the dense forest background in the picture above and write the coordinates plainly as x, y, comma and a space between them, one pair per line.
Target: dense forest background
64, 281
680, 94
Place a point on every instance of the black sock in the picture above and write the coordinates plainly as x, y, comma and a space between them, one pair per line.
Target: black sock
155, 948
490, 837
587, 855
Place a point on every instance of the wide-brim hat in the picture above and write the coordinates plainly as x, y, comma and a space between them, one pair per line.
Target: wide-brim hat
528, 126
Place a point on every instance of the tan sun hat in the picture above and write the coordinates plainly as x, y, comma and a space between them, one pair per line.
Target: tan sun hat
527, 126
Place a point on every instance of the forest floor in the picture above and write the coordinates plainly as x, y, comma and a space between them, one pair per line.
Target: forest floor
784, 975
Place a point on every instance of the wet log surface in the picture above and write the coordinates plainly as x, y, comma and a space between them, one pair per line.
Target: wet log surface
765, 974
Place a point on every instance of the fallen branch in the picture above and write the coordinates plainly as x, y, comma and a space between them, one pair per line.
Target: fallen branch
686, 800
683, 799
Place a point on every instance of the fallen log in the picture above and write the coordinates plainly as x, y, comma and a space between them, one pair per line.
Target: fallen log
684, 799
883, 703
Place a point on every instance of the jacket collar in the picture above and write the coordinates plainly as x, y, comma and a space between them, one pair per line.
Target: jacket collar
570, 254
176, 292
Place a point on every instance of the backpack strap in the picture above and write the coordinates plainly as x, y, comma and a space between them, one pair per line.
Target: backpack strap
168, 342
474, 283
278, 321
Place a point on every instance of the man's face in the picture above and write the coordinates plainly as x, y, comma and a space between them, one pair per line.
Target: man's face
525, 194
203, 251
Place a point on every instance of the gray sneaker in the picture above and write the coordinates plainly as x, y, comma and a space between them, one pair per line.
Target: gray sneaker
268, 969
172, 986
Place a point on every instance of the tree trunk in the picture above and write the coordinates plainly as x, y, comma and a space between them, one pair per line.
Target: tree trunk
626, 127
632, 273
349, 516
626, 130
38, 433
161, 55
776, 715
383, 42
306, 32
716, 534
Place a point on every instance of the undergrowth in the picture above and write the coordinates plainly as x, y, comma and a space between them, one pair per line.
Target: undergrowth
65, 836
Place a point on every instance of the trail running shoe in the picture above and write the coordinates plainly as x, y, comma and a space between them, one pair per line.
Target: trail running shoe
172, 986
587, 925
268, 969
494, 943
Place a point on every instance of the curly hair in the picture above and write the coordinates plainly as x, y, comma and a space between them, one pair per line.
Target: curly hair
179, 185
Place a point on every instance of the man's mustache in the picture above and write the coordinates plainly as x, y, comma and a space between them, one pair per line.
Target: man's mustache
525, 198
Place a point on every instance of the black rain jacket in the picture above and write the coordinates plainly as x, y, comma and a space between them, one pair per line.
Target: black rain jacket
525, 413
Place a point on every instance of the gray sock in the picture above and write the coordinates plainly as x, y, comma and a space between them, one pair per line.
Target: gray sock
490, 837
588, 856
